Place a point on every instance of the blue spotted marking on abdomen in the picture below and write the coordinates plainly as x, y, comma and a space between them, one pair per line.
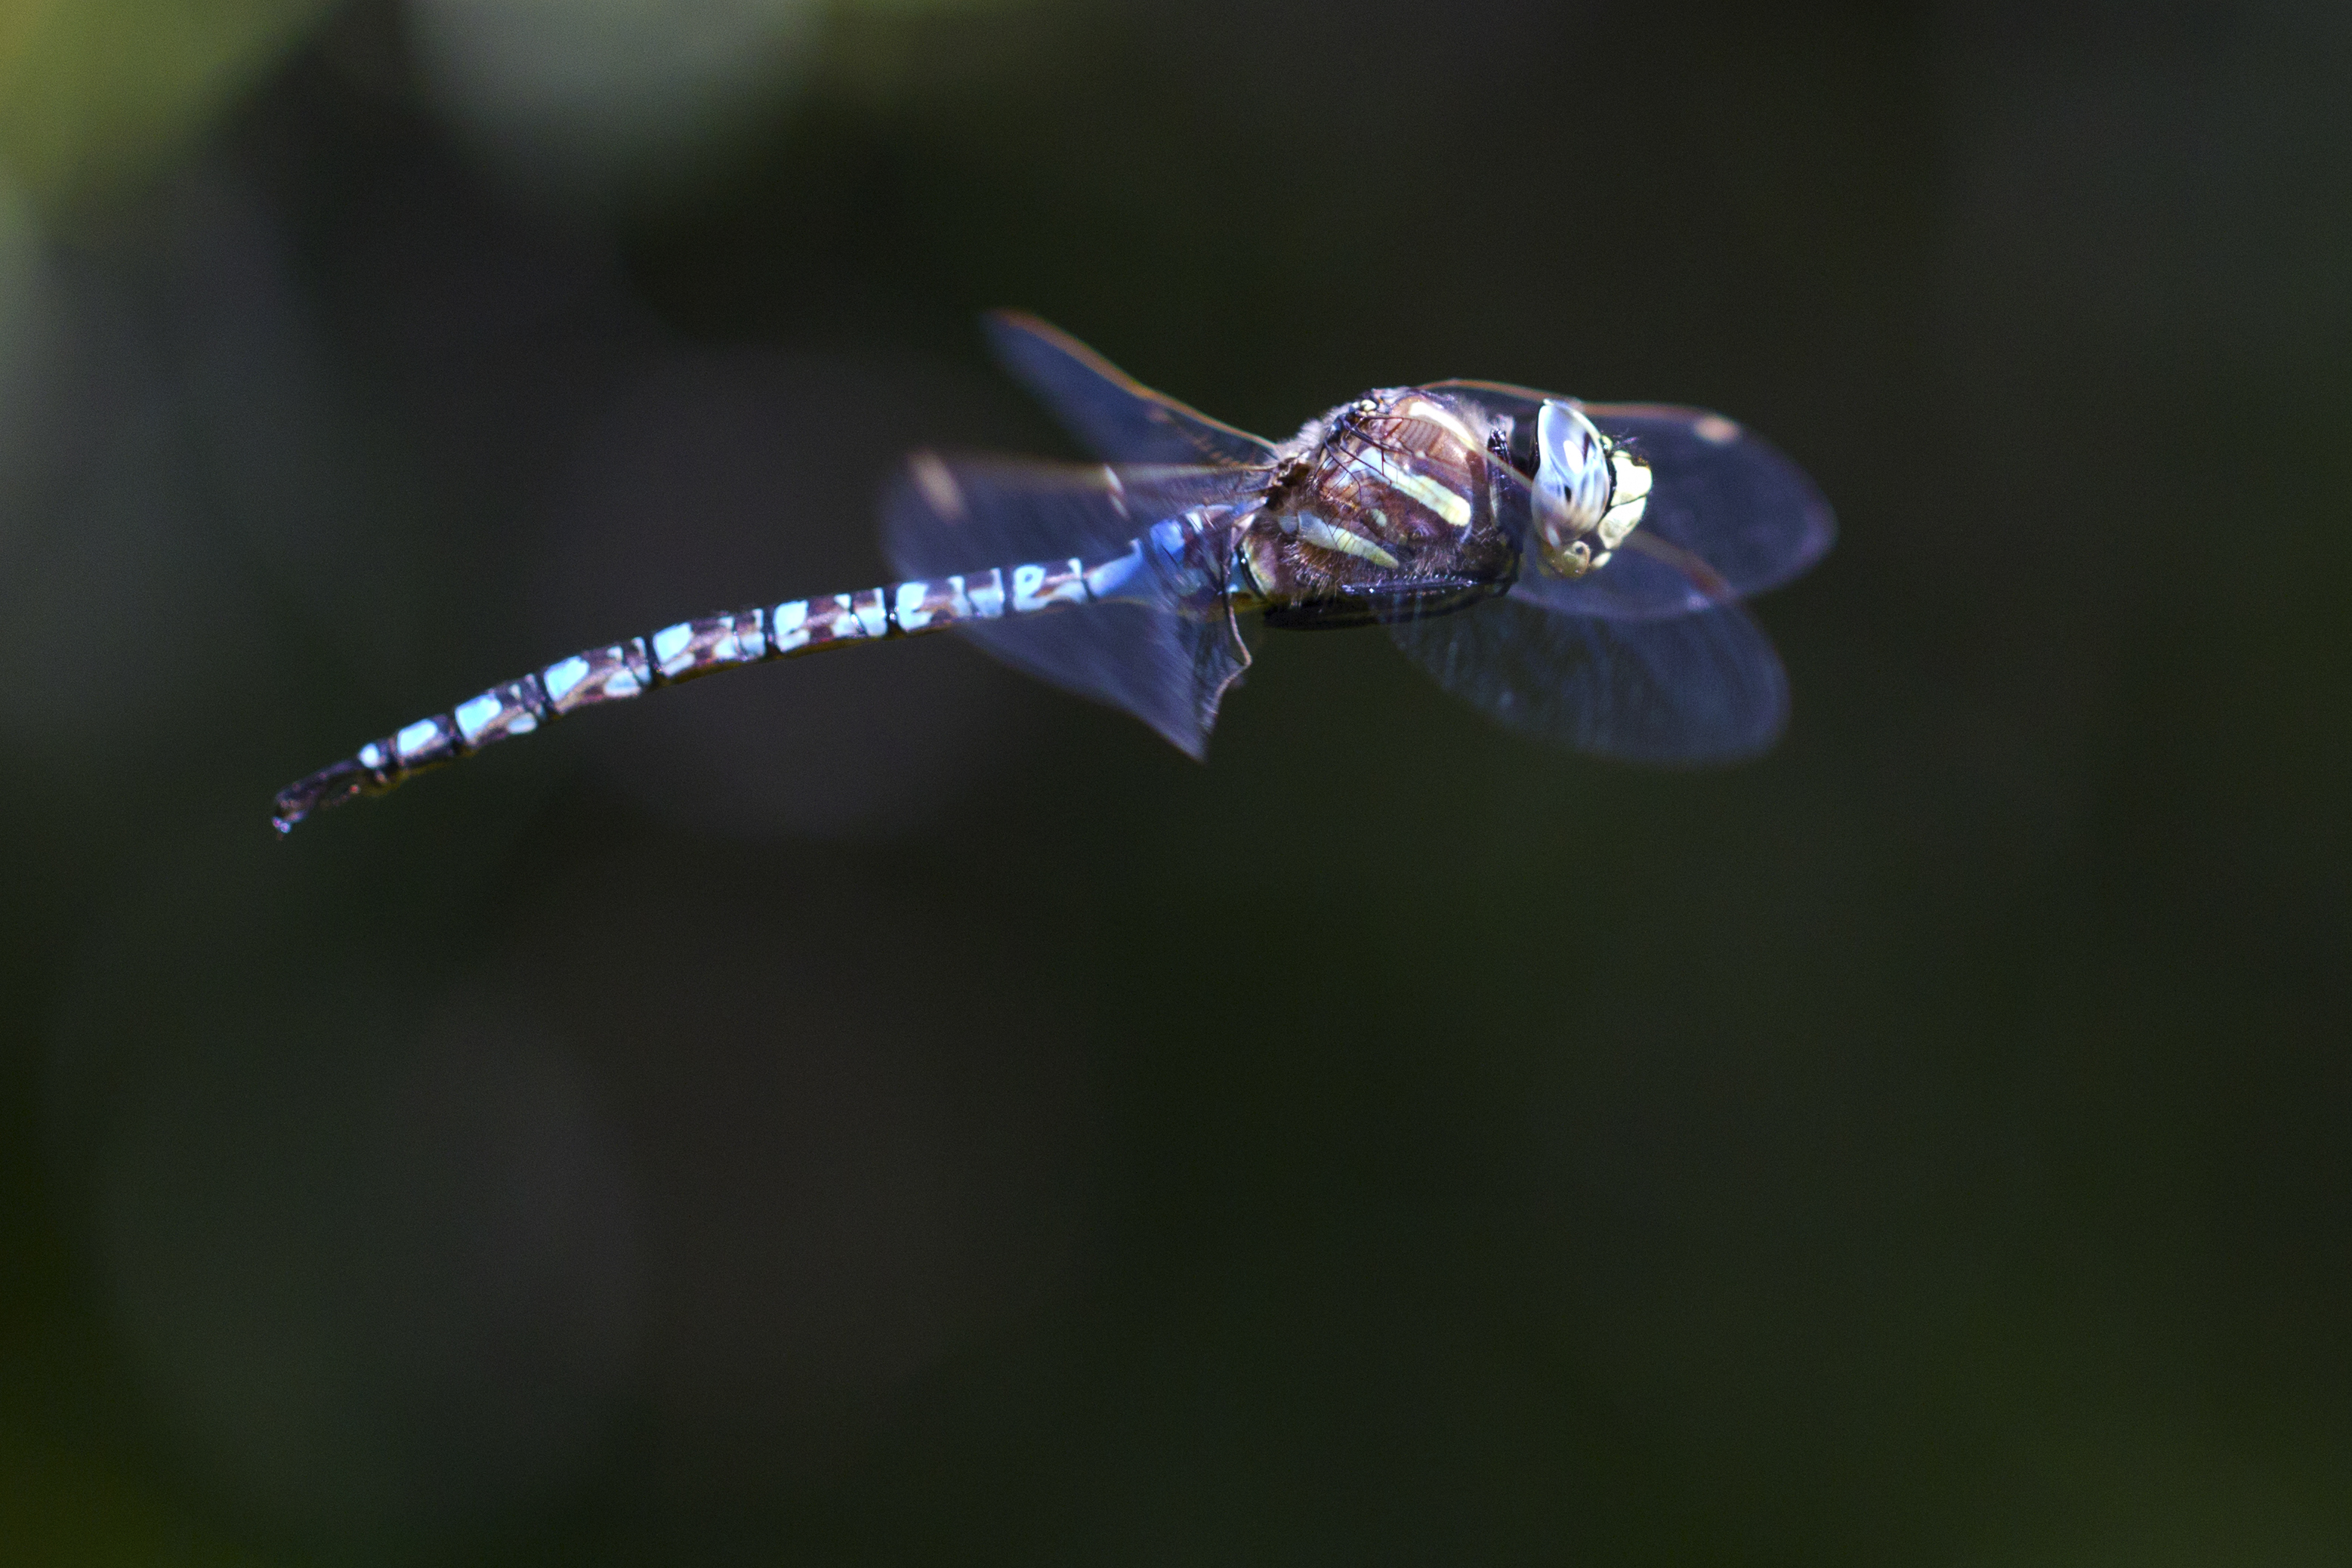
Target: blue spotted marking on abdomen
686, 650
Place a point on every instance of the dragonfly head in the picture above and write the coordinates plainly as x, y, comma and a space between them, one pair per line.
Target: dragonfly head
1590, 493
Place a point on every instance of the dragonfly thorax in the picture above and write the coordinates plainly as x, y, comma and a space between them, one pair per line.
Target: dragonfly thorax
1385, 507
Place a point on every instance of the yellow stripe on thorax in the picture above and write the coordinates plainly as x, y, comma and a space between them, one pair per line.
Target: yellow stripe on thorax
1452, 508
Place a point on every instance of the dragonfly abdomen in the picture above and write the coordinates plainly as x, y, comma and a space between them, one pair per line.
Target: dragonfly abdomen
687, 650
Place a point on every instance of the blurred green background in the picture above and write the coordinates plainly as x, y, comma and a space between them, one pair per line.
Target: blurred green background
876, 1110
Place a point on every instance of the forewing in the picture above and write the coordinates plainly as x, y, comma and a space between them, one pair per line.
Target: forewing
1705, 686
962, 515
1729, 516
1111, 413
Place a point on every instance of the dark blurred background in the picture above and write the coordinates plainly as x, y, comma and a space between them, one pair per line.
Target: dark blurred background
878, 1110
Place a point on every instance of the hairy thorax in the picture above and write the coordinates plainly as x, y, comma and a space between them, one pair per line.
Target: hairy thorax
1386, 507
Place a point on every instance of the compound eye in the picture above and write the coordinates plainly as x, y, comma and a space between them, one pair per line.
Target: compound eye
1571, 469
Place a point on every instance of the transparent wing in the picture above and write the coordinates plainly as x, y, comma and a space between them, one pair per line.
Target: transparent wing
1729, 516
1704, 687
1164, 659
1111, 413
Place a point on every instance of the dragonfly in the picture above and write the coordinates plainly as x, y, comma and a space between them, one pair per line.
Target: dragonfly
1577, 570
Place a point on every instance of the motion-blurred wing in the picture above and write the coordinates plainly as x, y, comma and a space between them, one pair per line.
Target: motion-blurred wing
1704, 687
1109, 412
960, 515
1728, 516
